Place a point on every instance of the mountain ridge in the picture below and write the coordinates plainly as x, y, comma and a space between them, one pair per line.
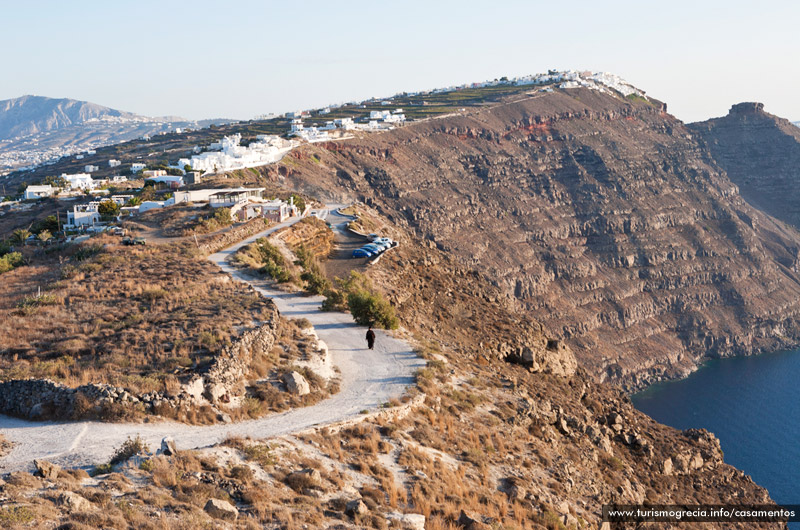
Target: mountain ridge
38, 129
602, 216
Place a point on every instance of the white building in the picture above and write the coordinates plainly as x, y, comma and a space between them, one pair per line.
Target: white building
90, 168
119, 178
122, 200
137, 166
91, 152
81, 181
265, 150
344, 123
83, 215
38, 192
114, 163
172, 181
233, 197
78, 157
153, 205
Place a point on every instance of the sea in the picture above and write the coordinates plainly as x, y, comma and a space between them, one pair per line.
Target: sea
752, 404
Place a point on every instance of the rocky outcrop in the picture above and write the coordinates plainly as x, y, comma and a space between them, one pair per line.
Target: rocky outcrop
604, 219
760, 152
43, 398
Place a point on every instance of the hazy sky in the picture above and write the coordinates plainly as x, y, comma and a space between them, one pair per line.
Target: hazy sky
238, 59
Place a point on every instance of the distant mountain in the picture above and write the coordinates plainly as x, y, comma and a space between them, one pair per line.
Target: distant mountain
36, 114
36, 129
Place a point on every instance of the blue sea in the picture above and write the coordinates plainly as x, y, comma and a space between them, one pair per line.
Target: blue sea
752, 404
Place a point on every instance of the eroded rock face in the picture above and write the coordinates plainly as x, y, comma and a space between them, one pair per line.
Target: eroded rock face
606, 221
761, 154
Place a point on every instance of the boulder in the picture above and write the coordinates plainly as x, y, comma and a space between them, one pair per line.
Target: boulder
195, 388
46, 470
356, 507
666, 467
471, 522
168, 447
407, 521
296, 383
74, 502
221, 509
217, 393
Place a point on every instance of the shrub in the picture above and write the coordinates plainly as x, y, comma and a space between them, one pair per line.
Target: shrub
370, 308
10, 261
275, 265
130, 447
315, 280
334, 301
108, 210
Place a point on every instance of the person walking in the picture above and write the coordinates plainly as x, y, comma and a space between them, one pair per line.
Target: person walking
370, 338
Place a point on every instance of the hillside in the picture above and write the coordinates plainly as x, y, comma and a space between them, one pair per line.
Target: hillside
601, 216
761, 154
36, 114
35, 129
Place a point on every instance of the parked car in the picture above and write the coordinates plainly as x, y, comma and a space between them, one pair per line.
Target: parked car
139, 241
374, 248
363, 253
380, 240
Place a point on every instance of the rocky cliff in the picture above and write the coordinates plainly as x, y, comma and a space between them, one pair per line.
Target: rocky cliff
601, 216
761, 154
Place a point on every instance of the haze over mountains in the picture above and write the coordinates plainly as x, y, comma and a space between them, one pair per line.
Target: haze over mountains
36, 129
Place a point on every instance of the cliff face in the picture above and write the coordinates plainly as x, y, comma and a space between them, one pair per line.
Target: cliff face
602, 217
761, 154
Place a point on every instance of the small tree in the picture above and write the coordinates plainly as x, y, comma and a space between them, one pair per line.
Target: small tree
45, 236
20, 235
108, 210
298, 201
370, 308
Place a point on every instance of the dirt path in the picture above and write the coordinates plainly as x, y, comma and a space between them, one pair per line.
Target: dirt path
369, 378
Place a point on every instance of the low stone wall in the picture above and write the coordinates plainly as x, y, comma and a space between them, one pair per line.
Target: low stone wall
233, 363
233, 236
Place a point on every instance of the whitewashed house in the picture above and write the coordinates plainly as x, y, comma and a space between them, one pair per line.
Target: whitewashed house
39, 192
83, 181
83, 215
90, 168
137, 166
233, 197
114, 163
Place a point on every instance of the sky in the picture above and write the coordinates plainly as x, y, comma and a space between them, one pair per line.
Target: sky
239, 59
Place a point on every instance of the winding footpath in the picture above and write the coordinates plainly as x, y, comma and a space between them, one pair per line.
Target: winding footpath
368, 379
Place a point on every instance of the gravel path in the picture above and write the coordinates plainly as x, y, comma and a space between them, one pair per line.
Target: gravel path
369, 378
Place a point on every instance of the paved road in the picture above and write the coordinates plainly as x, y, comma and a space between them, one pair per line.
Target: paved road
369, 378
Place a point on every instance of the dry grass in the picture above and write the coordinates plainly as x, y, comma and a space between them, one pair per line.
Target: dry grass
134, 317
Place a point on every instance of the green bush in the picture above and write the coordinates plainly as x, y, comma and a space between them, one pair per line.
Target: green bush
275, 265
334, 301
314, 278
108, 210
10, 261
370, 308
